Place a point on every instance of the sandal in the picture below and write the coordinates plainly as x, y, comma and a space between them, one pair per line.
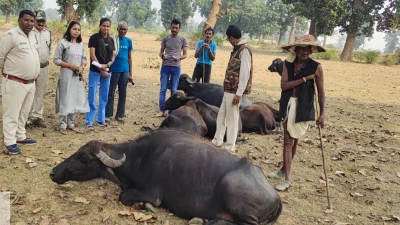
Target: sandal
89, 127
104, 124
276, 175
73, 128
284, 185
63, 131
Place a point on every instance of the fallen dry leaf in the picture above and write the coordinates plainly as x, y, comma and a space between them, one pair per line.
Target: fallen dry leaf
125, 213
141, 217
57, 152
384, 218
31, 165
37, 210
65, 186
329, 211
397, 218
29, 160
340, 173
356, 194
63, 222
81, 200
398, 174
340, 223
363, 172
350, 217
45, 221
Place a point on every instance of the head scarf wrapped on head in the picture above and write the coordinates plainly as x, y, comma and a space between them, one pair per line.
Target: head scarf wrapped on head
301, 41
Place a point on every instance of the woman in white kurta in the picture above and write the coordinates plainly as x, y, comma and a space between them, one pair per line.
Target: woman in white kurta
71, 97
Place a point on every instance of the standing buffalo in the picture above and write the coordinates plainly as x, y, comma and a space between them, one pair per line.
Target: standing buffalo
211, 94
260, 117
276, 66
181, 173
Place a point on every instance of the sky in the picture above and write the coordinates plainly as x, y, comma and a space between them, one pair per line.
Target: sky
376, 43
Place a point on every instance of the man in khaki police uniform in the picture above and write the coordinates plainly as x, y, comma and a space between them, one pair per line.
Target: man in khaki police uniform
20, 66
43, 35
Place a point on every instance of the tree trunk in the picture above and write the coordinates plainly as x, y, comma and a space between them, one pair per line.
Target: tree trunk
69, 14
112, 13
281, 35
213, 15
90, 25
325, 37
313, 28
292, 30
347, 53
8, 16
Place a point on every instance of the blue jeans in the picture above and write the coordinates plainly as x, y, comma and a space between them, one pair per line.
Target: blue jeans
94, 79
120, 79
168, 73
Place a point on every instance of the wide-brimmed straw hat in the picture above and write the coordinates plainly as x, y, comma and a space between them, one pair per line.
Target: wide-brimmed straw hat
304, 41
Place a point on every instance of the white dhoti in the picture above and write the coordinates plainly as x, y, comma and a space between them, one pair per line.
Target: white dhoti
296, 130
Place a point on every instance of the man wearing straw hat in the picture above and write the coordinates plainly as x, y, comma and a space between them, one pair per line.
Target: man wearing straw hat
297, 99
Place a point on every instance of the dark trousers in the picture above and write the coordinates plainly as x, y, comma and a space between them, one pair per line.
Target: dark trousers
198, 72
119, 79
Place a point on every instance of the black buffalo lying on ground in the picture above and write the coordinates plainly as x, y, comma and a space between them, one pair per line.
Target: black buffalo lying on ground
187, 119
181, 173
211, 94
276, 66
259, 117
208, 112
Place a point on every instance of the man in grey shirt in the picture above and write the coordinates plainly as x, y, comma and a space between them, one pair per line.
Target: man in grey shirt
171, 47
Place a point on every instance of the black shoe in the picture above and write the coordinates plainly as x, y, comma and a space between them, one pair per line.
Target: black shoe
38, 122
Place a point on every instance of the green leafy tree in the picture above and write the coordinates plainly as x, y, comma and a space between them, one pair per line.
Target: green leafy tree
7, 7
323, 14
52, 14
142, 11
392, 41
84, 8
389, 19
358, 20
175, 9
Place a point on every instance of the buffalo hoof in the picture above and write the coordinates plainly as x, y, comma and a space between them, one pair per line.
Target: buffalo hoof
147, 206
196, 221
124, 199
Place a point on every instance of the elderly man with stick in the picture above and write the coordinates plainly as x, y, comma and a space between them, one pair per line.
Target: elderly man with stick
297, 99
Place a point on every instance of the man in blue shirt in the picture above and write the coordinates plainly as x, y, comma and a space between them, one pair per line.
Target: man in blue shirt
205, 53
121, 72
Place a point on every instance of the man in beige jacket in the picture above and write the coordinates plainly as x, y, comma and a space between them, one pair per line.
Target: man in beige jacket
20, 66
43, 36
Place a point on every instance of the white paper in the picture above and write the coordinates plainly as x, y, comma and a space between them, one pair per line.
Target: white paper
94, 63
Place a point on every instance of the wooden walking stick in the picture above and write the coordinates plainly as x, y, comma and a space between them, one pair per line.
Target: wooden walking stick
322, 147
204, 69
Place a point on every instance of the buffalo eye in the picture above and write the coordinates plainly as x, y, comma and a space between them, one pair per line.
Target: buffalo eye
84, 158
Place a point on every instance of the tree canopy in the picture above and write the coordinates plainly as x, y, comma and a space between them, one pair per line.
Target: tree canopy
175, 9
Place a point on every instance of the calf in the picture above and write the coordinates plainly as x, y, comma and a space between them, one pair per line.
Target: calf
186, 119
208, 112
260, 117
276, 66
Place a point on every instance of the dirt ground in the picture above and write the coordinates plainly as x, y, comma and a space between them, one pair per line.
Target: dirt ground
361, 142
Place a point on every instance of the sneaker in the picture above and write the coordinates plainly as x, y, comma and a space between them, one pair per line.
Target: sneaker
38, 122
27, 141
89, 127
13, 149
276, 175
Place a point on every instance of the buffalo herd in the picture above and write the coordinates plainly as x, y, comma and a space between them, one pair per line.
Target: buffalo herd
176, 168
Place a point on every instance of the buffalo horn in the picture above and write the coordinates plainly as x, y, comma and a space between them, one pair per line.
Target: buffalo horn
190, 81
108, 161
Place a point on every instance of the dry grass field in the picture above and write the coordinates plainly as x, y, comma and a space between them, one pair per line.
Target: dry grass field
361, 142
